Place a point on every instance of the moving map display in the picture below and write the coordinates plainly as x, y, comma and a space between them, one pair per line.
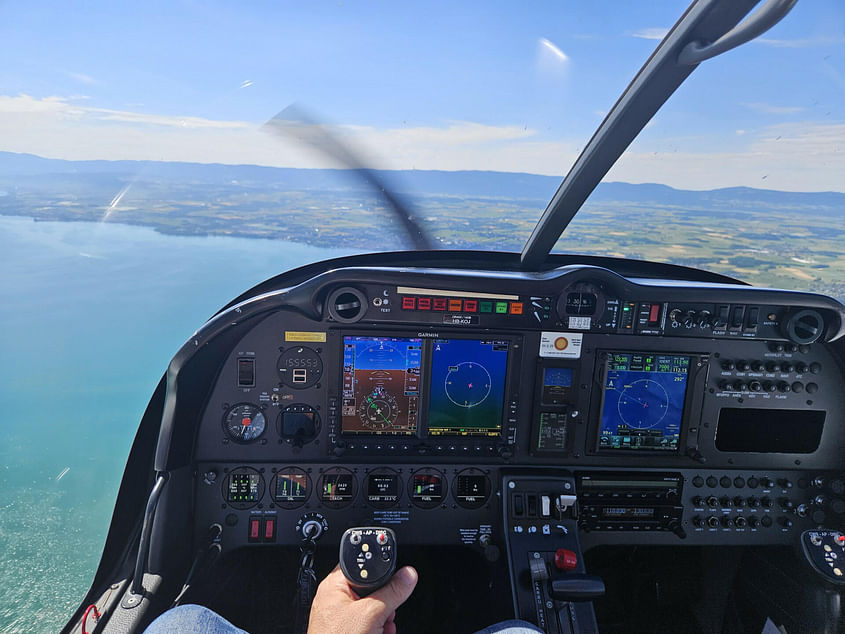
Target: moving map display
467, 388
643, 401
381, 385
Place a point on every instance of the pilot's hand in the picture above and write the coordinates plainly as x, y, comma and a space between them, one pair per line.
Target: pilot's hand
336, 607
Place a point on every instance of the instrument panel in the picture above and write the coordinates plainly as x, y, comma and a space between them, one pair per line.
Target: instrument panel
408, 397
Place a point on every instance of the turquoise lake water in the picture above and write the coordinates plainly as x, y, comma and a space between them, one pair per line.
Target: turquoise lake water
90, 317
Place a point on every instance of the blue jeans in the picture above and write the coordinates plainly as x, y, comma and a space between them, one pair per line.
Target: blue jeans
195, 619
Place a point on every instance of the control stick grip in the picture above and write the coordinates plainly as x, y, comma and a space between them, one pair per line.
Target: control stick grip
368, 557
577, 587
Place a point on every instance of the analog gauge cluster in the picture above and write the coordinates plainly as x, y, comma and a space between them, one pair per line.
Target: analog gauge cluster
246, 423
339, 487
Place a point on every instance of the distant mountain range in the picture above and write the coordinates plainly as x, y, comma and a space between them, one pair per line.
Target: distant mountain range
479, 184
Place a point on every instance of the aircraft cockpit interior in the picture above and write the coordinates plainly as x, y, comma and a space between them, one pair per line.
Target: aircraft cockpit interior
585, 443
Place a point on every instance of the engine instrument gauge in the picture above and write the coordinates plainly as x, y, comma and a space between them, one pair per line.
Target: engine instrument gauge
337, 487
384, 487
290, 488
244, 422
243, 488
426, 488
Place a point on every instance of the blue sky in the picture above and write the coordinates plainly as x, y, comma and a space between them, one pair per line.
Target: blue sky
481, 85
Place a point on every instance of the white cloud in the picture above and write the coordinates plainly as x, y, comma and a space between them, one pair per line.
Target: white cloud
810, 42
82, 78
651, 33
768, 108
799, 156
806, 156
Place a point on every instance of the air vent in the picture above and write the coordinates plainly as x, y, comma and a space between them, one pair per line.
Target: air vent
805, 326
347, 305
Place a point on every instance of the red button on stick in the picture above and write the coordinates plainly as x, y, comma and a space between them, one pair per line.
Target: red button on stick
565, 560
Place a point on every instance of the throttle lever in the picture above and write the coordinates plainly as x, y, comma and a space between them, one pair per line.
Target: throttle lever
577, 587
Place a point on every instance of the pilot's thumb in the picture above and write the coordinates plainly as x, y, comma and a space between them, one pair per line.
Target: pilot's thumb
397, 591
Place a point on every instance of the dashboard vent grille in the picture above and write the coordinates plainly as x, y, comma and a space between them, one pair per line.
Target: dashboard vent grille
805, 326
347, 305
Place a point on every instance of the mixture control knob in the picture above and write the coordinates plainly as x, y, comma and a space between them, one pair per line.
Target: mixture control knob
565, 560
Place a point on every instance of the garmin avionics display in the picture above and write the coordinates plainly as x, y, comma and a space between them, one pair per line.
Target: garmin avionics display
467, 387
643, 401
381, 384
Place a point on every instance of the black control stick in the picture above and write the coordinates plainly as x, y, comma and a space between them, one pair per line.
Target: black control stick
368, 557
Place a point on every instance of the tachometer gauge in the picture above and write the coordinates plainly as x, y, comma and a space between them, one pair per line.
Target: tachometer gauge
379, 409
244, 422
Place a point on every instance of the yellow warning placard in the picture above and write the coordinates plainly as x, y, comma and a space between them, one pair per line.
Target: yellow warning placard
296, 335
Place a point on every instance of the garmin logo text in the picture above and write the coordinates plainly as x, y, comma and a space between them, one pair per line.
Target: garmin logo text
433, 335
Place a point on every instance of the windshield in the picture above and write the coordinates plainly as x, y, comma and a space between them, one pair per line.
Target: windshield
140, 190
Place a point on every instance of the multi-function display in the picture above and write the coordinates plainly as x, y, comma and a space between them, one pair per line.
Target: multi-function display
467, 387
381, 384
643, 401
